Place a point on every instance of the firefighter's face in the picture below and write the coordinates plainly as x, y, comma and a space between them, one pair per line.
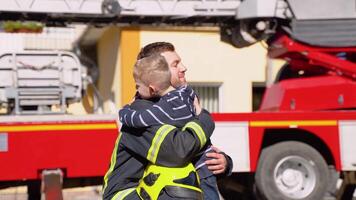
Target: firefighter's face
177, 68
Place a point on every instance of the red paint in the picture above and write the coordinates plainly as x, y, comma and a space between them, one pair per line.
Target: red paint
81, 153
313, 93
255, 141
326, 82
286, 115
328, 134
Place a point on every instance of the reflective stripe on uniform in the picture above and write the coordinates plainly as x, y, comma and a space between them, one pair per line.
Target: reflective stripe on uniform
122, 194
157, 141
168, 176
112, 162
198, 131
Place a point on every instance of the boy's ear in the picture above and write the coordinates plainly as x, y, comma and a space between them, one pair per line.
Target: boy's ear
152, 89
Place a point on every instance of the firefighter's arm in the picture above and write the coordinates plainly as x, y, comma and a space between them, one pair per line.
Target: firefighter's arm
179, 146
167, 145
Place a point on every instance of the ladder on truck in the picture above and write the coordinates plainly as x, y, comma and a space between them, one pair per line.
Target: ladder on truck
122, 11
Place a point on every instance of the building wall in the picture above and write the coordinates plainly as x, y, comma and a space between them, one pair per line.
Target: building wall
51, 38
129, 48
207, 58
109, 59
210, 60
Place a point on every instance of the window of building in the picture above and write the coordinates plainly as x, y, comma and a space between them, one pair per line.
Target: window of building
209, 95
258, 89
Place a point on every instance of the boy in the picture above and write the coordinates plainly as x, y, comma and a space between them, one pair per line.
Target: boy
175, 107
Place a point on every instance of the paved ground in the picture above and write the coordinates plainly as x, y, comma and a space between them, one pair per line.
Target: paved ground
84, 193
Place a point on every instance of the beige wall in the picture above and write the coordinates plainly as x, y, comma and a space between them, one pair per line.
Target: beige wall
207, 58
110, 69
210, 60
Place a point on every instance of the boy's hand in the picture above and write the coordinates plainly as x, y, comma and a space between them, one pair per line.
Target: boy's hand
197, 106
217, 164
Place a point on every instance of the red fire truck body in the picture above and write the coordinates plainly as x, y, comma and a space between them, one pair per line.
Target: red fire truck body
258, 130
305, 124
80, 146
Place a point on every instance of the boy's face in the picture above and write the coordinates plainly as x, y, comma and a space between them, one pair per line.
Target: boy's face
176, 67
143, 90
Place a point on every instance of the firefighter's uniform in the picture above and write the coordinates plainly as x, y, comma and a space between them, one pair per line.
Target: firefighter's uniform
163, 146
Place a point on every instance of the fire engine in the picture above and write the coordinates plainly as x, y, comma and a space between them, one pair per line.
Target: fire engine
294, 147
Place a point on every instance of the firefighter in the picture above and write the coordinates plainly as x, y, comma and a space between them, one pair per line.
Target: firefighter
174, 148
207, 168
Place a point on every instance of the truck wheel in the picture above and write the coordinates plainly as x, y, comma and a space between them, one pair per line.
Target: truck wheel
291, 170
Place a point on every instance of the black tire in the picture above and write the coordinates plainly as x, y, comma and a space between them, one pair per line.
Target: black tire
291, 170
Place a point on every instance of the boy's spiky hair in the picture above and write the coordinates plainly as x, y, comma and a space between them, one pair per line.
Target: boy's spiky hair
153, 70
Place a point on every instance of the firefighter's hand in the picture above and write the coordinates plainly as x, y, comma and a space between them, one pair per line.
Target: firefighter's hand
197, 106
217, 162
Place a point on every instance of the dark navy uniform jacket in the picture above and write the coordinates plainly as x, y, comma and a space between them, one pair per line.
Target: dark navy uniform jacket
161, 145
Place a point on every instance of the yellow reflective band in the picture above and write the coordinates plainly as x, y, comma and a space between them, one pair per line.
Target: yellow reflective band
167, 177
198, 130
112, 162
57, 127
294, 123
157, 141
122, 194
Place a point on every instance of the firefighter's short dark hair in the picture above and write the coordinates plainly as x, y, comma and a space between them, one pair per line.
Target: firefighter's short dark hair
155, 48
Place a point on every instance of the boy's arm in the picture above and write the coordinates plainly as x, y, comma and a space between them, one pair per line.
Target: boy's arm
190, 91
138, 118
192, 96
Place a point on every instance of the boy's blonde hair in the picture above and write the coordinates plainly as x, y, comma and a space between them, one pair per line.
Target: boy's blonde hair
153, 70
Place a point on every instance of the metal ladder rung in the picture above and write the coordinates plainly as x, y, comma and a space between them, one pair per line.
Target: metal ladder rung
39, 102
32, 97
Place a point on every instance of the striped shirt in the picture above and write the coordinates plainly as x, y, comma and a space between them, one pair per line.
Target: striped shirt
175, 108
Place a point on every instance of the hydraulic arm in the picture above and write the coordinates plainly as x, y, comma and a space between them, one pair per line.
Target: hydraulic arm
313, 78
